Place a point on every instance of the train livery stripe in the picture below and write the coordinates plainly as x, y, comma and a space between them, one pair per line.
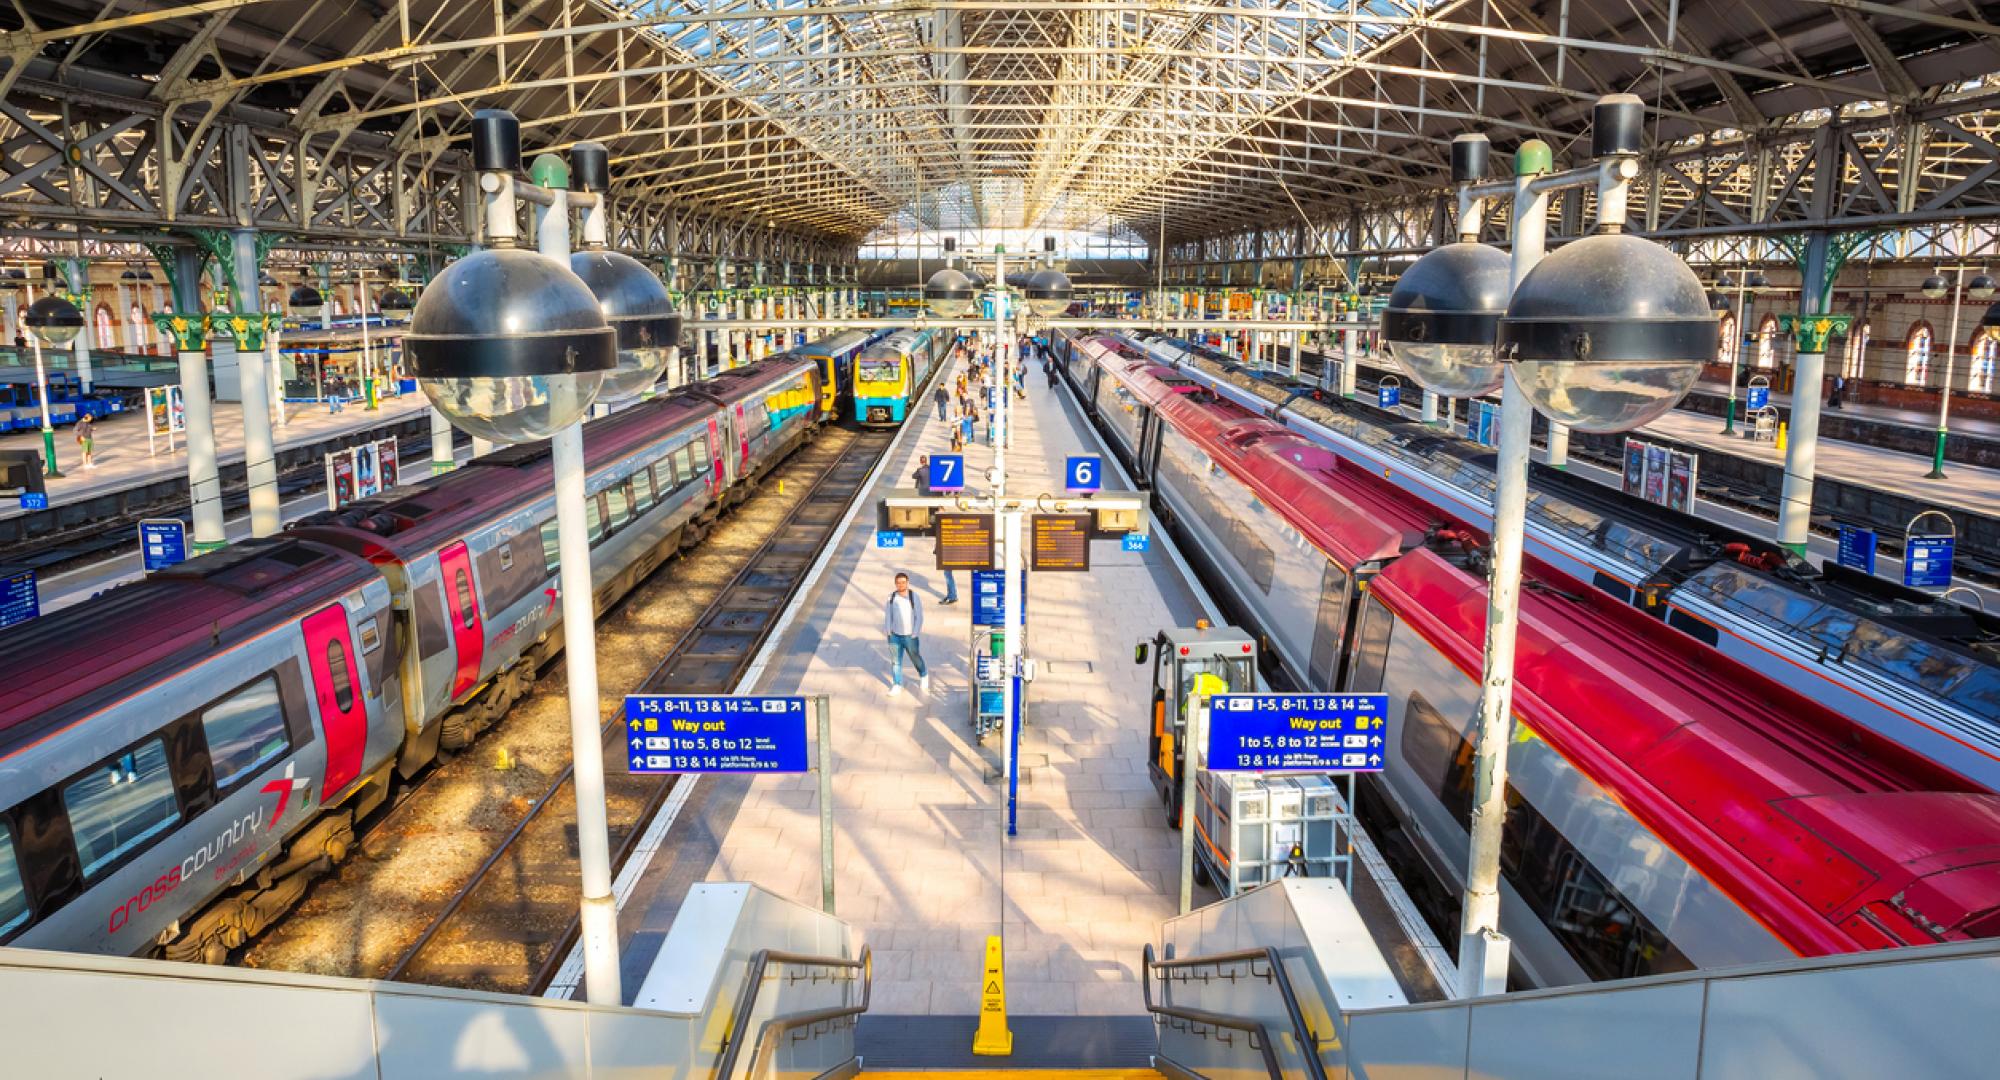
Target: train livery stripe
337, 691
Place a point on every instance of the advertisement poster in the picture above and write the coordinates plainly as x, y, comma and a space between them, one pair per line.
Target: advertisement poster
1635, 467
1656, 474
164, 415
367, 478
385, 453
1681, 481
360, 472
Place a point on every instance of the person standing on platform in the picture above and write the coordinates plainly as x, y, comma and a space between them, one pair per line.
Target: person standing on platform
1839, 392
86, 430
903, 620
921, 477
943, 398
965, 421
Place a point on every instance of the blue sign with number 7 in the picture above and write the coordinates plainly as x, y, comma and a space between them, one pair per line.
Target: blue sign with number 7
947, 472
1084, 472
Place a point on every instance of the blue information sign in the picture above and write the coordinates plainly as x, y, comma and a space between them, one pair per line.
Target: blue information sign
947, 472
1389, 395
1484, 418
19, 600
1927, 562
162, 542
34, 500
989, 595
1857, 548
1083, 472
1756, 397
888, 538
1297, 732
715, 733
1136, 541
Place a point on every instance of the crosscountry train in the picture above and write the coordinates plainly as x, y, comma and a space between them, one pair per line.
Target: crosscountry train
889, 374
181, 756
1670, 807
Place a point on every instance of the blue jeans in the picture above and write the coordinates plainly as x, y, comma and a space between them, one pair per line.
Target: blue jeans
906, 643
950, 587
940, 407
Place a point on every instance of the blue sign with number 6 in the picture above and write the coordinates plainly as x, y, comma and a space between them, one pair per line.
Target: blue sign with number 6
947, 472
1084, 472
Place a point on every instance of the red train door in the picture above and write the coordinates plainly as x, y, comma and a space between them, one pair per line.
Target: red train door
742, 442
717, 479
461, 600
337, 688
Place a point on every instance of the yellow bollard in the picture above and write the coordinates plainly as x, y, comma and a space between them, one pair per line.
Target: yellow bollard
993, 1039
781, 485
503, 761
1781, 438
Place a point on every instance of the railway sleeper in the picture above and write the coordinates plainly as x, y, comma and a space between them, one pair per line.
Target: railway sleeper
273, 890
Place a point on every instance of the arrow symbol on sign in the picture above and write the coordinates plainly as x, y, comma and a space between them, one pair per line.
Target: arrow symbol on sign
638, 742
635, 725
638, 762
1374, 759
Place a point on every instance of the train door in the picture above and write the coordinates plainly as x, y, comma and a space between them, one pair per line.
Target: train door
718, 465
742, 442
461, 601
337, 689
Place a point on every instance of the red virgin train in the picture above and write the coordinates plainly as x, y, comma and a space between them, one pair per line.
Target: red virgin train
181, 756
1670, 807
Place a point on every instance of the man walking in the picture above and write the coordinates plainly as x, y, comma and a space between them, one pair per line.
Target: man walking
943, 398
903, 620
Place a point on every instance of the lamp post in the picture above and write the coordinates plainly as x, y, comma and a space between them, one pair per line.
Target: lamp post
55, 322
1979, 288
307, 303
1604, 335
513, 346
1748, 282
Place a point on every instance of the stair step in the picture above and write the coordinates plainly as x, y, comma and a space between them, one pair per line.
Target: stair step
1071, 1046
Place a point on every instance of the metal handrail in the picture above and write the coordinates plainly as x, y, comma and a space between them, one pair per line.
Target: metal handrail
753, 984
1308, 1043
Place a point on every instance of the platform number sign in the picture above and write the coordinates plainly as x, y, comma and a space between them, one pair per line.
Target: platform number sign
34, 500
1297, 732
888, 538
1084, 472
947, 472
1927, 562
715, 733
1389, 395
1135, 541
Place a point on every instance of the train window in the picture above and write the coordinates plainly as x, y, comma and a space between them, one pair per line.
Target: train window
468, 607
1439, 755
618, 508
596, 520
1371, 648
14, 910
551, 548
1693, 627
642, 491
118, 806
1330, 629
506, 557
371, 636
245, 732
431, 634
698, 458
340, 675
508, 580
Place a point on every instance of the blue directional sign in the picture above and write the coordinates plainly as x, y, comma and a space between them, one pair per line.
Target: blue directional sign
1857, 548
989, 597
1927, 562
888, 538
162, 542
947, 472
34, 500
1297, 732
715, 733
1389, 395
1756, 397
19, 600
1135, 541
1084, 472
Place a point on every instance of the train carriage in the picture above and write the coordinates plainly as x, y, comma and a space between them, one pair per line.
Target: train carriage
889, 374
834, 357
176, 783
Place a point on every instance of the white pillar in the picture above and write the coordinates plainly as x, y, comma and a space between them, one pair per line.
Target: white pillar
260, 459
1802, 452
204, 483
443, 460
1430, 415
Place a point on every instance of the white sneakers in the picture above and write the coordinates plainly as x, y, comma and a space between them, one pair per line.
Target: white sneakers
895, 688
924, 682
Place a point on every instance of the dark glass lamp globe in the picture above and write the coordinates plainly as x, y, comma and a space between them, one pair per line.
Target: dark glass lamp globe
636, 305
1441, 318
510, 345
948, 294
54, 320
1048, 293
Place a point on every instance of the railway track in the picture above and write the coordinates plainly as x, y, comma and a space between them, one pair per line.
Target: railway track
510, 926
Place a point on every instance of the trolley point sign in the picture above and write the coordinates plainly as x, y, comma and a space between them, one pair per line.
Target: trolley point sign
715, 733
1297, 732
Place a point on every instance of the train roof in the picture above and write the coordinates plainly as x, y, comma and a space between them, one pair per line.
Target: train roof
65, 664
839, 342
1807, 820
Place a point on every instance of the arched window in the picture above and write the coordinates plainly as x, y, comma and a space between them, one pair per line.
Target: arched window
1767, 343
1985, 351
1728, 347
1855, 366
166, 336
142, 340
107, 332
1917, 355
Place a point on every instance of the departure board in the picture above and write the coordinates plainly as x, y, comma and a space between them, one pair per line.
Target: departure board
965, 541
1059, 542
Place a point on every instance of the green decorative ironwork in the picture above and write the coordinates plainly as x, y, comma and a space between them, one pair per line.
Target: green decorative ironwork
220, 248
1810, 332
246, 327
1840, 247
190, 333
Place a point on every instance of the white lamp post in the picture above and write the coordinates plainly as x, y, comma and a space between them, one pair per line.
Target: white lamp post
54, 322
512, 346
1605, 335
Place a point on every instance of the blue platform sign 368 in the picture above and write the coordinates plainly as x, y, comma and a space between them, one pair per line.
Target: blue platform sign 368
888, 538
947, 472
1297, 732
715, 733
1927, 562
1857, 548
1083, 472
1135, 541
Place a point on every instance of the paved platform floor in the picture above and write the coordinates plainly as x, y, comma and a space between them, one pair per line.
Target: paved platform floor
123, 460
919, 815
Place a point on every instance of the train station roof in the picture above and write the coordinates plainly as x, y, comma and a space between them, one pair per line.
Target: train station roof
1174, 117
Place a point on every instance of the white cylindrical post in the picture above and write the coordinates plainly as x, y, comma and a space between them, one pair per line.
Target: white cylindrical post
1944, 389
1558, 455
1430, 413
1000, 340
204, 484
260, 458
1802, 453
1348, 352
370, 392
1482, 950
1011, 585
49, 468
443, 460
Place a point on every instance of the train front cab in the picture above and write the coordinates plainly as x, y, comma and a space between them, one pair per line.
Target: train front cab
881, 389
